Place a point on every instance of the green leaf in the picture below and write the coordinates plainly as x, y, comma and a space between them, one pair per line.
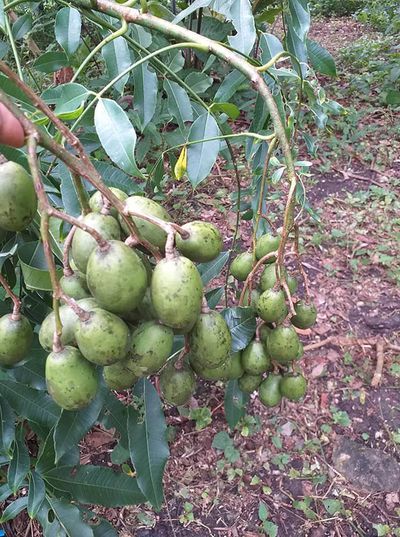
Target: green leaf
392, 97
33, 405
70, 518
381, 529
4, 47
72, 426
229, 109
229, 86
300, 15
20, 461
117, 135
31, 372
332, 506
199, 82
221, 441
146, 89
270, 46
47, 455
97, 485
51, 61
115, 177
214, 296
202, 156
68, 29
242, 325
235, 402
263, 511
148, 444
50, 524
297, 47
14, 509
34, 266
117, 56
69, 99
7, 426
241, 15
211, 270
178, 103
270, 528
116, 417
5, 492
36, 495
321, 60
197, 4
22, 26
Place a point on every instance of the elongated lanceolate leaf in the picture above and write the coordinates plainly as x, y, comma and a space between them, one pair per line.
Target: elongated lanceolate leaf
202, 156
117, 56
235, 402
68, 29
242, 325
148, 444
178, 103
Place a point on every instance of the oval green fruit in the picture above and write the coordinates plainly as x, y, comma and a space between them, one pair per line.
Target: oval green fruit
269, 391
241, 266
151, 345
177, 292
293, 386
249, 383
16, 337
74, 285
3, 235
83, 243
103, 339
210, 340
255, 360
254, 297
119, 377
283, 344
116, 277
306, 315
69, 321
71, 380
204, 243
147, 230
268, 279
264, 332
177, 385
96, 201
235, 367
266, 244
18, 201
271, 306
216, 373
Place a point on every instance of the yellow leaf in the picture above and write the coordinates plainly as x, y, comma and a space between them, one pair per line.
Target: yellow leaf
181, 164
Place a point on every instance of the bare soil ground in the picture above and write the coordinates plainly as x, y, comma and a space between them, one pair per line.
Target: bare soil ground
285, 454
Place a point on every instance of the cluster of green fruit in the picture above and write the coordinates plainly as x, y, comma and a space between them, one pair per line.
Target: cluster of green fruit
18, 205
276, 341
126, 311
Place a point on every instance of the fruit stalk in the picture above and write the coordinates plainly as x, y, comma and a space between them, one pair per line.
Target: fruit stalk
81, 194
45, 211
249, 279
67, 246
16, 314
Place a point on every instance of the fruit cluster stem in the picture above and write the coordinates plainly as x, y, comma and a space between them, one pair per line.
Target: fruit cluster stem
16, 313
181, 358
46, 210
249, 279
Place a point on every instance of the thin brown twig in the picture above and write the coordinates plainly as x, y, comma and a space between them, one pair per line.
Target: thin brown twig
376, 379
249, 279
16, 313
67, 246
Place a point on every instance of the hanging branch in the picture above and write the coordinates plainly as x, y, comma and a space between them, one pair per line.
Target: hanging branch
16, 313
